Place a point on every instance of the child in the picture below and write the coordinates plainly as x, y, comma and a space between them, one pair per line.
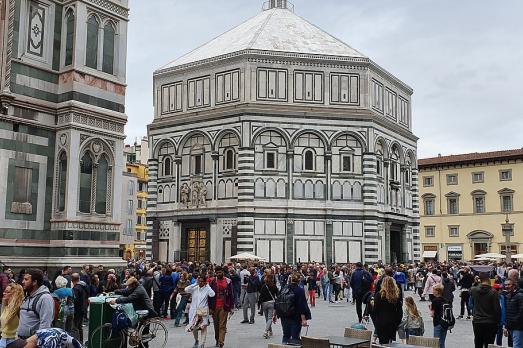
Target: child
412, 322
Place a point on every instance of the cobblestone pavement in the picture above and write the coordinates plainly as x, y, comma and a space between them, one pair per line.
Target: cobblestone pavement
327, 320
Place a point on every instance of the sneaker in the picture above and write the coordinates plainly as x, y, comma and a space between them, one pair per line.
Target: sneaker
244, 321
251, 322
195, 345
266, 335
459, 317
468, 317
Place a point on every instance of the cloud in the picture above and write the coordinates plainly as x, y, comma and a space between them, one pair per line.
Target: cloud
463, 58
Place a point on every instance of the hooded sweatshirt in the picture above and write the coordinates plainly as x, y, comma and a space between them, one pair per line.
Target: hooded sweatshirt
31, 321
486, 305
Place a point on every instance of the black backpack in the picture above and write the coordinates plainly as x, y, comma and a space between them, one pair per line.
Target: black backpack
447, 317
284, 303
366, 281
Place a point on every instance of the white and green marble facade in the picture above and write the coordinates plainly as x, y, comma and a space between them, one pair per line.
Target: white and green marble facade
53, 108
275, 106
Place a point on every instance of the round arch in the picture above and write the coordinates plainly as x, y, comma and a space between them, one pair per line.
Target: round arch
412, 156
380, 140
400, 151
355, 135
262, 130
223, 133
159, 145
107, 150
309, 131
188, 136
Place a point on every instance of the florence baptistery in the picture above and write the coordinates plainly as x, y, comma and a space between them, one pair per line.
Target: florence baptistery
278, 139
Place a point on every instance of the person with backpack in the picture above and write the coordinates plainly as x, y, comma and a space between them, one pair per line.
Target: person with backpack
64, 307
432, 279
386, 306
37, 310
514, 312
487, 312
465, 283
80, 301
412, 322
448, 287
221, 304
268, 294
436, 307
291, 307
360, 282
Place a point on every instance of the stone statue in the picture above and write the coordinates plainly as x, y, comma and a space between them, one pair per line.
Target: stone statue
203, 195
194, 193
184, 194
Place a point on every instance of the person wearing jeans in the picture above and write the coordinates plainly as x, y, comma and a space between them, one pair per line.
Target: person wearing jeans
436, 308
182, 283
487, 312
514, 312
465, 282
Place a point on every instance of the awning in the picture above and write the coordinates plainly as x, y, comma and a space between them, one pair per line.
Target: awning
429, 254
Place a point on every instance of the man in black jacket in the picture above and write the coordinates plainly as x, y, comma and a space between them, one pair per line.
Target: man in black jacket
465, 282
514, 312
253, 286
135, 293
487, 312
80, 292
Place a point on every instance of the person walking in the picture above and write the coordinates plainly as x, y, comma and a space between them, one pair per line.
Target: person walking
436, 309
64, 295
412, 322
182, 283
37, 309
12, 299
311, 288
448, 287
268, 294
432, 279
514, 312
251, 293
199, 312
386, 306
80, 300
360, 283
465, 283
221, 305
296, 312
487, 312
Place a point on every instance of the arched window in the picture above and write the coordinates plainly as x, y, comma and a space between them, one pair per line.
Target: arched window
101, 186
69, 38
229, 159
309, 160
167, 166
86, 179
91, 56
62, 181
108, 49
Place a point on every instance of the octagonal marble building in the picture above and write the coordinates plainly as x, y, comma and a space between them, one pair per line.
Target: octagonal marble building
278, 139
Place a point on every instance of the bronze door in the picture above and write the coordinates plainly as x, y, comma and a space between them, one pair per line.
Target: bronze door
197, 244
480, 248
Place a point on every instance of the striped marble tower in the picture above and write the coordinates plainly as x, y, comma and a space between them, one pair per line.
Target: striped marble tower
151, 205
245, 239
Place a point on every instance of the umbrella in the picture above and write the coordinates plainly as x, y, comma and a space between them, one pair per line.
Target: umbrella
246, 256
491, 256
517, 256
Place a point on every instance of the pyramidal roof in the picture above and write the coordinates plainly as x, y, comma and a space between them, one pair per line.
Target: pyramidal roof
276, 29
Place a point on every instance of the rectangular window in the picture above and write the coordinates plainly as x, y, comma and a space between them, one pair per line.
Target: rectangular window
130, 207
270, 160
197, 164
172, 98
227, 87
478, 177
377, 96
403, 110
308, 86
505, 175
344, 89
391, 103
513, 249
130, 188
346, 163
140, 204
129, 227
506, 203
430, 231
452, 179
428, 181
429, 206
198, 92
452, 206
453, 231
479, 204
272, 84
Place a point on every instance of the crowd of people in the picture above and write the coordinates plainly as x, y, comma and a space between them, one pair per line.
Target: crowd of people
190, 294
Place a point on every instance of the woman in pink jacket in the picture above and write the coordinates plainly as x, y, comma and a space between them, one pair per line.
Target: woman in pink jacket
432, 279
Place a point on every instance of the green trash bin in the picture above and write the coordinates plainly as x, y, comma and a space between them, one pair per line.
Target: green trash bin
100, 313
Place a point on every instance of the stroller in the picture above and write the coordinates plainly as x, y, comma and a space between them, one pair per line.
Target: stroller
366, 312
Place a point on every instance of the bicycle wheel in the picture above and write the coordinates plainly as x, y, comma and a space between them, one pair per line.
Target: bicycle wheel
153, 330
102, 337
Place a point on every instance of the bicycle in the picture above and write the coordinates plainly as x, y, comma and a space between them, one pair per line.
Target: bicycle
146, 331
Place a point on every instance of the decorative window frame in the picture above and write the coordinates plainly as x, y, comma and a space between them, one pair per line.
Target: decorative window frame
204, 80
46, 59
377, 96
234, 73
452, 195
177, 86
449, 176
274, 152
506, 192
234, 155
277, 96
508, 171
429, 197
63, 52
102, 21
314, 98
431, 177
482, 174
430, 228
97, 148
479, 194
453, 227
353, 89
350, 155
313, 159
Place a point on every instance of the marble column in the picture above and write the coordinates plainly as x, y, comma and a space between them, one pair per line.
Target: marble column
215, 256
175, 239
387, 242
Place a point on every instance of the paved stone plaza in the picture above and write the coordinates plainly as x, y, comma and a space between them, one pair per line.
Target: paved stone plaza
327, 320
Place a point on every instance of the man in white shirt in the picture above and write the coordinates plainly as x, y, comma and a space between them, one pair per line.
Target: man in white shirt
243, 273
199, 311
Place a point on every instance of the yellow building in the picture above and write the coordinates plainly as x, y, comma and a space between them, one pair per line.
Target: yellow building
465, 201
142, 174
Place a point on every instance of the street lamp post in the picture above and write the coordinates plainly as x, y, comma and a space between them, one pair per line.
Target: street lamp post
508, 230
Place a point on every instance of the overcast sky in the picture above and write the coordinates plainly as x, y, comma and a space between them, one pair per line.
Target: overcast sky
464, 59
